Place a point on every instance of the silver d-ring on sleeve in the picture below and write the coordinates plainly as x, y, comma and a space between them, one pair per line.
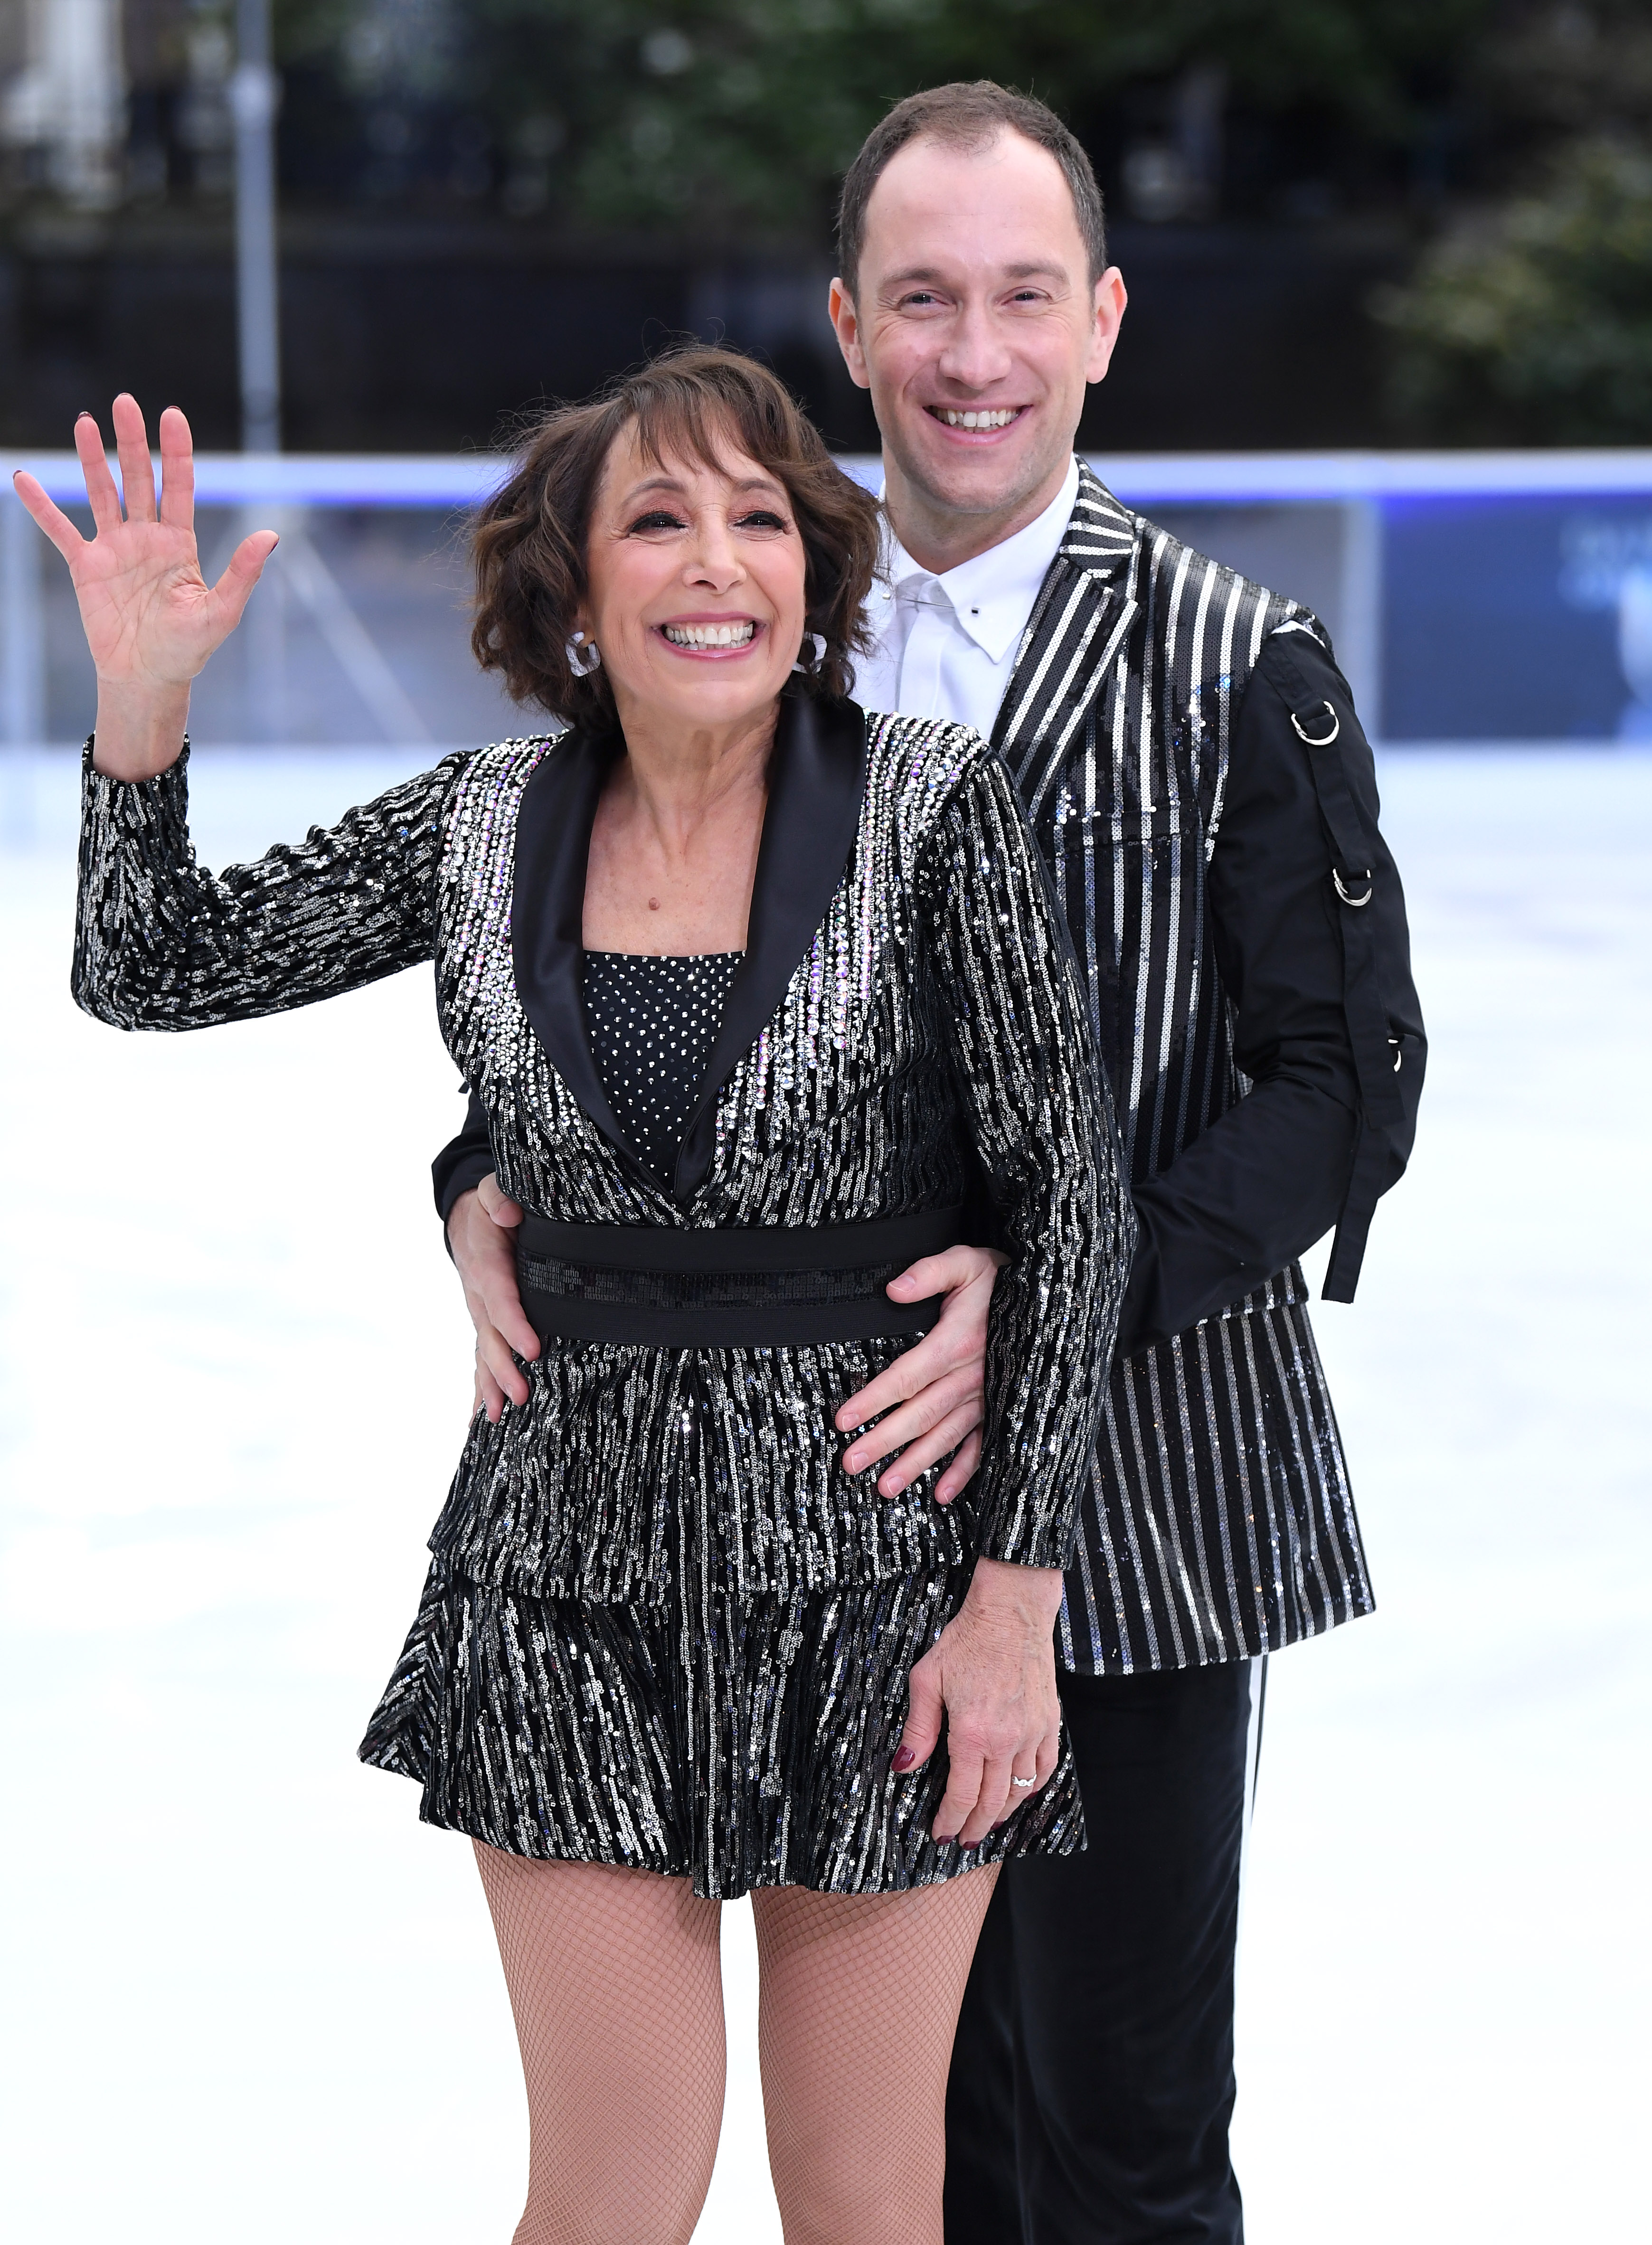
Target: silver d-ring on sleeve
1317, 739
1358, 903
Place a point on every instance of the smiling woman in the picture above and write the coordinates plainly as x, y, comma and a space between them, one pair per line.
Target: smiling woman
750, 987
698, 409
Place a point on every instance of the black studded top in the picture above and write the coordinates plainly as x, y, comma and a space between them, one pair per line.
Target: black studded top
653, 1023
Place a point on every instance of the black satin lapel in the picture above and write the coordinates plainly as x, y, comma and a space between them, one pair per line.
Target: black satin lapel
554, 822
816, 785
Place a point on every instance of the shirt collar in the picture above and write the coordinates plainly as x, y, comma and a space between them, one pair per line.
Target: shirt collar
992, 595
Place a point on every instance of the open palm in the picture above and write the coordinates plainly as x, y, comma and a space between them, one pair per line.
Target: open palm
150, 617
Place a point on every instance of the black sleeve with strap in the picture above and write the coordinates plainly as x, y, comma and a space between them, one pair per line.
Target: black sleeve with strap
1379, 999
1296, 1156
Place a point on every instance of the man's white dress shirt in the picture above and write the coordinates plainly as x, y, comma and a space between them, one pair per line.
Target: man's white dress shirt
946, 645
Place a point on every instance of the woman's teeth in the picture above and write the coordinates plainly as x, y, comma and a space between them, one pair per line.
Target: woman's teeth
709, 635
1000, 418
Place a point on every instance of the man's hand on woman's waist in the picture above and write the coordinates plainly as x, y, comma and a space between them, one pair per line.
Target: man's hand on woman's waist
480, 1228
932, 1394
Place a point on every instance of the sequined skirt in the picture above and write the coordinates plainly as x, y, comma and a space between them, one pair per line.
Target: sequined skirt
739, 1742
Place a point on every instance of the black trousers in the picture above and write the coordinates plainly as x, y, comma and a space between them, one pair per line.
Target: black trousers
1093, 2077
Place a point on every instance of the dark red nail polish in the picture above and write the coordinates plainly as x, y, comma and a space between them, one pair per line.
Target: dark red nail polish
904, 1759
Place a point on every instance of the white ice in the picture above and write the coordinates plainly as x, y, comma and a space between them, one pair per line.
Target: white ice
251, 1998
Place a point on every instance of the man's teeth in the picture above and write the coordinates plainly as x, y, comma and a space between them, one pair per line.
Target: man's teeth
711, 634
1000, 418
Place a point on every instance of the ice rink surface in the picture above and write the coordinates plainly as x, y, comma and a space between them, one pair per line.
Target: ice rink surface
251, 1998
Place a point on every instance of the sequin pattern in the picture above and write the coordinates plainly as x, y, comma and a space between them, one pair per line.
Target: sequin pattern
936, 1009
650, 1505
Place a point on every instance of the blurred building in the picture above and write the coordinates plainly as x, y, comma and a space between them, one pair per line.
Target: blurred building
63, 97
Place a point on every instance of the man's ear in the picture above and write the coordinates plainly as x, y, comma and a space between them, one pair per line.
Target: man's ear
846, 322
1111, 298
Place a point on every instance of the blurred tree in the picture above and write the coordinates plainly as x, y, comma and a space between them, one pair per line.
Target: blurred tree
1568, 69
1532, 324
1529, 319
740, 115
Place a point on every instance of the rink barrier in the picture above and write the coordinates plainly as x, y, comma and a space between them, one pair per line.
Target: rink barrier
1369, 489
1142, 479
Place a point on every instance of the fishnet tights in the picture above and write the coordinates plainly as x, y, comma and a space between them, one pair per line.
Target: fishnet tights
616, 1983
858, 2001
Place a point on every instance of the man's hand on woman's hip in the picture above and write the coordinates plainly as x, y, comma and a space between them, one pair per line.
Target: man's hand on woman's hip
934, 1393
481, 1235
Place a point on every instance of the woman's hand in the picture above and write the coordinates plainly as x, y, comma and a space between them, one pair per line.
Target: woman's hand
992, 1673
150, 617
934, 1391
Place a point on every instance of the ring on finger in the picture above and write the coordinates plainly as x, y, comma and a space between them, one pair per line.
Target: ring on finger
1024, 1781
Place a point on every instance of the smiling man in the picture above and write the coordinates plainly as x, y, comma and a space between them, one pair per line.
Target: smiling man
1206, 804
1160, 716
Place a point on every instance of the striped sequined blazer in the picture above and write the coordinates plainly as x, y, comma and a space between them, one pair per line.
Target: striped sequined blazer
1217, 1520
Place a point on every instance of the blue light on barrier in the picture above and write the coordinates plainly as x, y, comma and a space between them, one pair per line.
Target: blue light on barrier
1517, 618
1142, 479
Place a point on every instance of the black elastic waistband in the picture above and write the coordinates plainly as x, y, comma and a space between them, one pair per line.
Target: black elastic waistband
746, 1287
756, 1248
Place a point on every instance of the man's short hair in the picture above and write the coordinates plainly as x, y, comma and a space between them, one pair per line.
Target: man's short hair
966, 115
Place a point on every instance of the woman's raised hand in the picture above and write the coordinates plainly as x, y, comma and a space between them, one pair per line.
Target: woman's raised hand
150, 617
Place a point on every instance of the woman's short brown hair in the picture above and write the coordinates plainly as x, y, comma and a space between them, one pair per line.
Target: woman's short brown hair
529, 541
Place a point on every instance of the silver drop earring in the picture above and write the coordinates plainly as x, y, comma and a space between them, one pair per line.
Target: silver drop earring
583, 656
813, 639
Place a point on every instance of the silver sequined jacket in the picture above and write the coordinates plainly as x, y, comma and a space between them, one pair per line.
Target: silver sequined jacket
907, 1009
